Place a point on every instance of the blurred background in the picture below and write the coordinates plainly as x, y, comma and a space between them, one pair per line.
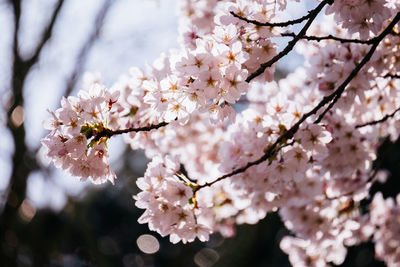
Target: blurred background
50, 219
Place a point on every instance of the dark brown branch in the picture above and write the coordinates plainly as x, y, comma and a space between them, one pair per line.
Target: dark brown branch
109, 133
338, 92
272, 149
276, 24
47, 34
394, 33
329, 37
312, 15
16, 5
386, 117
84, 52
392, 76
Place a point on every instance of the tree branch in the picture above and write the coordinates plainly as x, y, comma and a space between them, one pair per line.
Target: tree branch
276, 24
329, 37
387, 116
46, 36
109, 133
16, 4
393, 76
312, 15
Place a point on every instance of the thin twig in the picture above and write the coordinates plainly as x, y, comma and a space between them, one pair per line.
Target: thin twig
109, 133
387, 116
313, 14
275, 24
329, 37
393, 76
47, 34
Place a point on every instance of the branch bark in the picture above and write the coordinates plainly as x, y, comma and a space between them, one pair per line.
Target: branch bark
47, 34
392, 76
385, 118
329, 37
279, 24
109, 133
272, 24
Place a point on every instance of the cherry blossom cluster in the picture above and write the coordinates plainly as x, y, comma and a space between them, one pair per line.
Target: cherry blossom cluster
229, 144
169, 203
72, 143
385, 215
323, 231
361, 17
198, 15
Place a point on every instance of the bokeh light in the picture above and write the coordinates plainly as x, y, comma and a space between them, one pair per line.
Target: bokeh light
148, 244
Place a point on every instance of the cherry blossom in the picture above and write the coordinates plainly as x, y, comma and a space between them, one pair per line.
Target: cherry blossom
303, 146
